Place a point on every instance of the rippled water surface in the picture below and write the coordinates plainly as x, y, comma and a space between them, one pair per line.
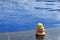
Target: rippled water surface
25, 14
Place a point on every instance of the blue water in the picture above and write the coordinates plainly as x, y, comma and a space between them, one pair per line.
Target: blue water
20, 15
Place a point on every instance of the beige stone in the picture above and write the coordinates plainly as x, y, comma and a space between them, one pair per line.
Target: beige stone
40, 30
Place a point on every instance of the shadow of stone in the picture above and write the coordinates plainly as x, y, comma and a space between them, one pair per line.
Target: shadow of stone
39, 37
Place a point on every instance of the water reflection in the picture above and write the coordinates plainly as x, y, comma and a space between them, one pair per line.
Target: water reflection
39, 37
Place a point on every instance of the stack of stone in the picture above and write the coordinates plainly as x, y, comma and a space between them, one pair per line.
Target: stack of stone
40, 30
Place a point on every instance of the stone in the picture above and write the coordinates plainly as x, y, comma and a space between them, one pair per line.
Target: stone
40, 31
